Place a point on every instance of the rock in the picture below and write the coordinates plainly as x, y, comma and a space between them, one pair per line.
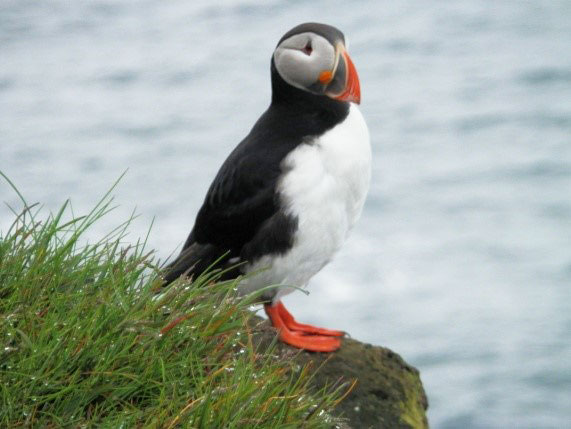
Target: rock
388, 392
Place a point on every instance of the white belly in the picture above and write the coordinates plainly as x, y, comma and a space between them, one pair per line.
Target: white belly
325, 188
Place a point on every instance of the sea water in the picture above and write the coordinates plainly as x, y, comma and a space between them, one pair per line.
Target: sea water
461, 262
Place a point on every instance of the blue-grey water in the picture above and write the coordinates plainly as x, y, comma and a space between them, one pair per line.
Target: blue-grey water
462, 259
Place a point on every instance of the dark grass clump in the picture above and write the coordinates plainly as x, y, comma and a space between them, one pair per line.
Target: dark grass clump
85, 340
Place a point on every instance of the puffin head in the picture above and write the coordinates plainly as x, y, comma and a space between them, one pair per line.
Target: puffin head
312, 57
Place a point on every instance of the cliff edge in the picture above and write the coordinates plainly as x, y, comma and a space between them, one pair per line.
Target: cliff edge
388, 392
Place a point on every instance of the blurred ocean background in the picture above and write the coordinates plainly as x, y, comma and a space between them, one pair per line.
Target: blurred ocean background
462, 260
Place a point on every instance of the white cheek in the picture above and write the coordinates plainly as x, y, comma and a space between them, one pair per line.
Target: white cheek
299, 69
294, 67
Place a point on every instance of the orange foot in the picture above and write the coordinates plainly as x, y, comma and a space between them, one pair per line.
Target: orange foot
302, 336
307, 329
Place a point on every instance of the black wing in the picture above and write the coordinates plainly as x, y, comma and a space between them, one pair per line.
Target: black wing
243, 196
240, 212
239, 200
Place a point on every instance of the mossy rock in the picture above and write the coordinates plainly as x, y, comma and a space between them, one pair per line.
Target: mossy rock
388, 392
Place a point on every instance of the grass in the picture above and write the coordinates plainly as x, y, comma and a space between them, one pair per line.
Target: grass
85, 341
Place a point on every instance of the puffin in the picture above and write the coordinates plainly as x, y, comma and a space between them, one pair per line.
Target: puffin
287, 196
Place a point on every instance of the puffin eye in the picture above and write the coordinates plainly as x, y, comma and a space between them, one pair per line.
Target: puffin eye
307, 50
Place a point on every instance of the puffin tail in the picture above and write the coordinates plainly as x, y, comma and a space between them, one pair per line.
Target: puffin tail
192, 261
198, 258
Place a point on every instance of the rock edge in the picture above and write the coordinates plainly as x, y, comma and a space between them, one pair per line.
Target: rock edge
388, 393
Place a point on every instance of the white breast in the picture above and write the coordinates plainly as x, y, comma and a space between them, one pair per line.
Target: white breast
325, 188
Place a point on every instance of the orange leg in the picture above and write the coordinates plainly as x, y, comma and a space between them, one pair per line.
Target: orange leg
306, 329
315, 343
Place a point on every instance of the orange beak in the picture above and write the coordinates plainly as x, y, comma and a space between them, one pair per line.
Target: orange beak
352, 90
341, 83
